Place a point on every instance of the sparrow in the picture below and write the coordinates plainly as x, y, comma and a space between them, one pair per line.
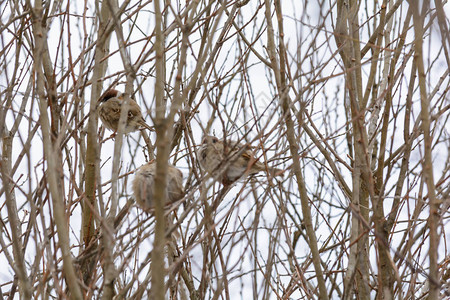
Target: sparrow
110, 105
144, 181
215, 153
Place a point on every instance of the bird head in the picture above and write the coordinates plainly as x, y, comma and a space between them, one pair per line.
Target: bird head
209, 139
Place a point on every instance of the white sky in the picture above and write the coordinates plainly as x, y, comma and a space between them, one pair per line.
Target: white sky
324, 96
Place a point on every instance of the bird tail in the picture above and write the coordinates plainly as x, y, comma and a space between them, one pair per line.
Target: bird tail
276, 172
143, 124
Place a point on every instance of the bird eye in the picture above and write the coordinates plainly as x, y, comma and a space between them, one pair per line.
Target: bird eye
215, 140
130, 114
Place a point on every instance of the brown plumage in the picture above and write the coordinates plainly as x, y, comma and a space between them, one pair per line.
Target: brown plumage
109, 112
214, 154
144, 181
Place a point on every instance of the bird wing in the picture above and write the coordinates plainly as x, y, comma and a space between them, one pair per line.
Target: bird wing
114, 107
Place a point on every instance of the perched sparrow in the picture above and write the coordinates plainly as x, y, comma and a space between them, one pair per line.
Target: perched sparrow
214, 154
144, 181
110, 108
